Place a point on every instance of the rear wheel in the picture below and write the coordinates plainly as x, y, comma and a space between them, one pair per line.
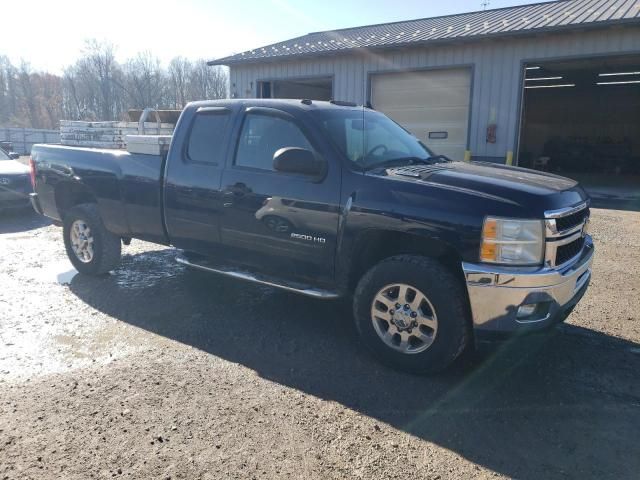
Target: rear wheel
411, 313
92, 249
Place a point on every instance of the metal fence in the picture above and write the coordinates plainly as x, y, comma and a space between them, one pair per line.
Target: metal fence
24, 138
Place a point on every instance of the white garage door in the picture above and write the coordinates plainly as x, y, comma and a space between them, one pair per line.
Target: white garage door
433, 105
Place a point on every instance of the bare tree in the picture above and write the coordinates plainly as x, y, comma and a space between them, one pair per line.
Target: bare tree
97, 87
51, 87
208, 83
28, 95
179, 74
145, 81
99, 66
73, 105
9, 93
4, 90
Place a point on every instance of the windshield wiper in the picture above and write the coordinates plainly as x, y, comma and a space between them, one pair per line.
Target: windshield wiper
403, 161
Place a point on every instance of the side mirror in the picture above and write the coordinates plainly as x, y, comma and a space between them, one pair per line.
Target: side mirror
14, 155
298, 160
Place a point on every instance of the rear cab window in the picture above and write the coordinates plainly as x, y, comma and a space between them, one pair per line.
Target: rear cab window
208, 135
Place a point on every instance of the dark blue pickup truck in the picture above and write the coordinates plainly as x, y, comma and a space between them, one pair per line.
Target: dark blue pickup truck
330, 200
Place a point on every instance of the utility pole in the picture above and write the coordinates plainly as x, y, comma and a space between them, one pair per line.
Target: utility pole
485, 4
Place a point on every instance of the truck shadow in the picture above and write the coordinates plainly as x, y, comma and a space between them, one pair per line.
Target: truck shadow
566, 404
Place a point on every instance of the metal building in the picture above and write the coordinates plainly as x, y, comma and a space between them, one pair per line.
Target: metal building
547, 84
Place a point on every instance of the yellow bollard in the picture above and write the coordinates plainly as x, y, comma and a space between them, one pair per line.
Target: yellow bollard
509, 158
467, 155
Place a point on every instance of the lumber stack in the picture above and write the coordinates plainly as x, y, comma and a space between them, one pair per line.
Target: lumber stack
106, 134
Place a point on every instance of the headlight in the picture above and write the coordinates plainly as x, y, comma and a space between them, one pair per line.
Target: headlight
512, 241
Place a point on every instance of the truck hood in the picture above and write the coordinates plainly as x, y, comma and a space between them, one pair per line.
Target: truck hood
12, 167
506, 184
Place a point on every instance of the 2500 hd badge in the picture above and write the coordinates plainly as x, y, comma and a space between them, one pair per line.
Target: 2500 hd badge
308, 238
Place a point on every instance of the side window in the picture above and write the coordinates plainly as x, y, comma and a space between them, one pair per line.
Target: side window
262, 136
207, 137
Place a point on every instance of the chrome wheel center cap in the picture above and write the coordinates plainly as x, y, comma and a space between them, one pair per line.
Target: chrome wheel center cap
403, 319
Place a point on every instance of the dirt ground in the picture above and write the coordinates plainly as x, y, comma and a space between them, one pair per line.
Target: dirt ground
156, 371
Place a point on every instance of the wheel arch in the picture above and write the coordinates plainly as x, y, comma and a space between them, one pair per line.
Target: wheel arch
70, 194
373, 246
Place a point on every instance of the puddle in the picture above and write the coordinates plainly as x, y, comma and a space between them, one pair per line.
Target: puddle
145, 270
55, 348
141, 270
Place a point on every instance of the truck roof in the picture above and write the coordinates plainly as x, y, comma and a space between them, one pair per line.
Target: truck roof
303, 104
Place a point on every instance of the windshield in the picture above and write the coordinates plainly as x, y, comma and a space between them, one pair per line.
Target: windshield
3, 155
370, 139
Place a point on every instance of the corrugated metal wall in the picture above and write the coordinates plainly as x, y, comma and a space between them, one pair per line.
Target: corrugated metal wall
496, 73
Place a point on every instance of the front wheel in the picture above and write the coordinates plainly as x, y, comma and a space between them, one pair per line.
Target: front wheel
411, 313
92, 249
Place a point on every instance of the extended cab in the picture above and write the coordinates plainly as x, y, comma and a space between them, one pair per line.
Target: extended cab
332, 200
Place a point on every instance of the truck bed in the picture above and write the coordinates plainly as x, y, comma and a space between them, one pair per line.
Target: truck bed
126, 186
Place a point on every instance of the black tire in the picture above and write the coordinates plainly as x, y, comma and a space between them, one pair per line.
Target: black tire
447, 296
106, 245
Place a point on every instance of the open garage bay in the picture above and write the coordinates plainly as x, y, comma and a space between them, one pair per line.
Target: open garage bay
581, 119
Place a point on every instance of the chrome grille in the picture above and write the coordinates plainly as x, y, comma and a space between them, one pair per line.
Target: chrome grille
568, 251
566, 232
571, 221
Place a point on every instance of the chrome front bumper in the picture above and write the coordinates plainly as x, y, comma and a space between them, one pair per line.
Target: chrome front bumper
497, 293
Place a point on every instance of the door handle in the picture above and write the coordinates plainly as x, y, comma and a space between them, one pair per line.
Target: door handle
237, 190
232, 192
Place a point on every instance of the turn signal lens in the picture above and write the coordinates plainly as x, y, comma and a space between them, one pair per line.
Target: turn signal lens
489, 252
490, 229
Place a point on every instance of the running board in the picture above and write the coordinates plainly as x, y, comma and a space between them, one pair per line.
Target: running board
262, 280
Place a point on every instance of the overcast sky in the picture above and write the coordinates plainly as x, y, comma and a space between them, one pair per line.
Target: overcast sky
49, 34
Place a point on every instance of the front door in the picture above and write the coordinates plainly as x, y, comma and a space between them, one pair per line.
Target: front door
284, 223
192, 186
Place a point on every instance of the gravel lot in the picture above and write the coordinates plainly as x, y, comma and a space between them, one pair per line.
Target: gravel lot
158, 372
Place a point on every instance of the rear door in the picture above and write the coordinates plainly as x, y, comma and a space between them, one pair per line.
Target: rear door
283, 223
193, 175
433, 105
